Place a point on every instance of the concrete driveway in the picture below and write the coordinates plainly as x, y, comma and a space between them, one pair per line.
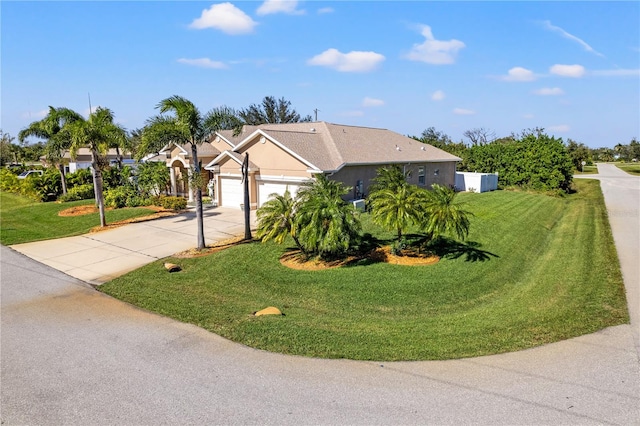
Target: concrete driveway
102, 256
71, 355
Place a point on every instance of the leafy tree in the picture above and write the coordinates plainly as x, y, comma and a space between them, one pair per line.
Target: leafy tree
50, 128
184, 126
579, 153
326, 225
6, 148
603, 154
443, 215
442, 141
97, 133
271, 110
276, 219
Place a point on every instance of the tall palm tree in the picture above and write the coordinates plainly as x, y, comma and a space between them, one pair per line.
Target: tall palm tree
185, 125
276, 219
443, 215
326, 224
49, 128
97, 133
398, 207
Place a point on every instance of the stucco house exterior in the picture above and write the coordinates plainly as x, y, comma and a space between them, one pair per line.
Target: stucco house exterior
284, 156
82, 159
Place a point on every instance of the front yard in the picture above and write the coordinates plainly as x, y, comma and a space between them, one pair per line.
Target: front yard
536, 269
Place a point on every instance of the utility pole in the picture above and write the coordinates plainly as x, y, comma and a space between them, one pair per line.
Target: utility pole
316, 112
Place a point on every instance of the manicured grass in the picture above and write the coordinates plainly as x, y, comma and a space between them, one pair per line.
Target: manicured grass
631, 168
536, 269
587, 170
23, 220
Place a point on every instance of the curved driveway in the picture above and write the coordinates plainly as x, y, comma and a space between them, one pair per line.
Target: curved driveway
71, 355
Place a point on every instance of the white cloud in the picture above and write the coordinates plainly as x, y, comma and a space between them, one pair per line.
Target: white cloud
279, 6
203, 63
519, 74
39, 115
226, 18
617, 73
528, 116
574, 71
462, 111
585, 46
372, 102
438, 95
347, 62
559, 128
325, 10
432, 51
549, 91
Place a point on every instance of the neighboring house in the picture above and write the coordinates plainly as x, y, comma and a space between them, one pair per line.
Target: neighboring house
285, 156
83, 159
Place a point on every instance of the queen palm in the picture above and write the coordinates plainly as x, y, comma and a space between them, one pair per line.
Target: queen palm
49, 128
443, 215
326, 224
97, 133
186, 125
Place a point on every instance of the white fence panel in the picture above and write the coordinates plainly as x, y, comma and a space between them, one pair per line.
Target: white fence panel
476, 182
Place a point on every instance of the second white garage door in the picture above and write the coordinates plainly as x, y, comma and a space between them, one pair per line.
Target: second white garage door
267, 188
231, 192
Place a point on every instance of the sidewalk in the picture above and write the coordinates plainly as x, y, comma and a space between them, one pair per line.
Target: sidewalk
102, 256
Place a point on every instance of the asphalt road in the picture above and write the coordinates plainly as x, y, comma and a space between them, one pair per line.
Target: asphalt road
71, 355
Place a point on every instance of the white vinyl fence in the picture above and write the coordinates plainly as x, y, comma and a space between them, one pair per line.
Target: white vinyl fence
476, 182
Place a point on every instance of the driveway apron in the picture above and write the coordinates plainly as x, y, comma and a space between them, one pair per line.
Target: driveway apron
102, 256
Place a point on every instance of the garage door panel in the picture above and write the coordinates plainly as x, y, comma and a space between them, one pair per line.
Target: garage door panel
231, 192
265, 189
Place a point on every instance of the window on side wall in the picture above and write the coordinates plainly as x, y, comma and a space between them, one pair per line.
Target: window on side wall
421, 176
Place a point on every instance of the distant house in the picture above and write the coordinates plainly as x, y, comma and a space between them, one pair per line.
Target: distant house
83, 159
285, 156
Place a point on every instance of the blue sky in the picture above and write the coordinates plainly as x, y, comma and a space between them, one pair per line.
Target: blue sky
570, 67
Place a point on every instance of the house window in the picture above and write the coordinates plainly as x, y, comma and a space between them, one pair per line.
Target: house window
436, 172
421, 175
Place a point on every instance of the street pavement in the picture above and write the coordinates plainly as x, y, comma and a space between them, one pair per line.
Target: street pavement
71, 355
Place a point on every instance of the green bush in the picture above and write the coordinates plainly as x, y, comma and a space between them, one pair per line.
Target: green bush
79, 192
122, 196
9, 182
170, 202
79, 177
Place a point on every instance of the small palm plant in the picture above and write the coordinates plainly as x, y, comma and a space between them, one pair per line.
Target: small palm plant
276, 219
397, 208
443, 215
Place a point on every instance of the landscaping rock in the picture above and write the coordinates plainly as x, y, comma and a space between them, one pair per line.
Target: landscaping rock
172, 267
268, 311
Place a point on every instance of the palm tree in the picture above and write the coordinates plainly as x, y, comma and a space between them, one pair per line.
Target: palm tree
443, 215
276, 219
50, 128
326, 224
391, 177
396, 208
186, 125
97, 133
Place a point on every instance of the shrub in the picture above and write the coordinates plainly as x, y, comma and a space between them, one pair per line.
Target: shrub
9, 181
169, 202
79, 177
153, 178
123, 196
79, 192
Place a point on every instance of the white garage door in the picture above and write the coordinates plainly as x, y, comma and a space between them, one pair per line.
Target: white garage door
267, 188
231, 192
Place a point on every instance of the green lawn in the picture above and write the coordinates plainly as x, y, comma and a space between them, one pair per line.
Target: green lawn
23, 220
587, 170
536, 269
631, 168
